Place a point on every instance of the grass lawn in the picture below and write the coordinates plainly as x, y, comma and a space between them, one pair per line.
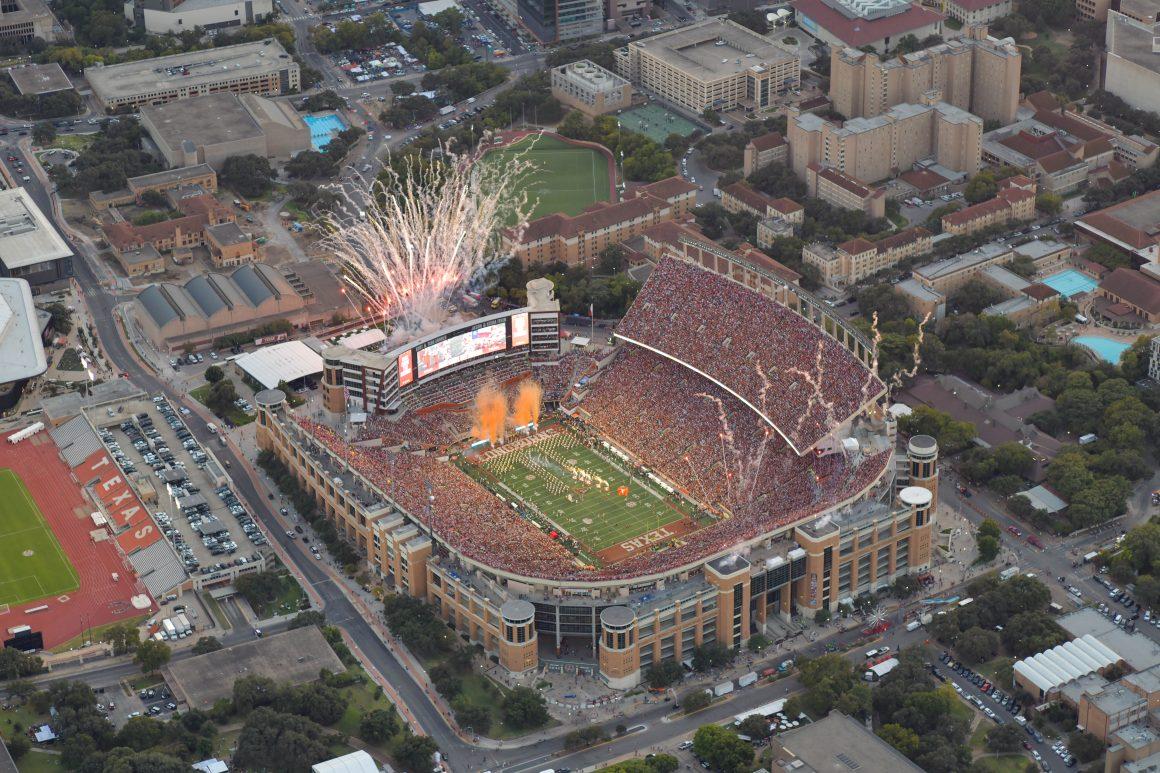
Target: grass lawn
77, 142
960, 709
979, 737
998, 671
541, 473
32, 563
95, 633
289, 600
360, 700
562, 178
1006, 763
234, 414
224, 743
39, 762
69, 360
484, 691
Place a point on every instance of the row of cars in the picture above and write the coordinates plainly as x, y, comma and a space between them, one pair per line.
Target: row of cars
245, 520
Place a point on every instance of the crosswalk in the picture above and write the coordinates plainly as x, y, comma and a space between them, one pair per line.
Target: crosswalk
302, 17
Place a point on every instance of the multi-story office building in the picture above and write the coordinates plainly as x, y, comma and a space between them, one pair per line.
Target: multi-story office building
844, 191
976, 73
590, 88
160, 17
1092, 10
1133, 72
555, 21
26, 19
877, 148
30, 247
852, 261
714, 64
1015, 201
762, 151
978, 11
261, 67
740, 197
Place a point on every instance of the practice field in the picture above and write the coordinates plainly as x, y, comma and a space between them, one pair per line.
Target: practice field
32, 563
562, 177
575, 487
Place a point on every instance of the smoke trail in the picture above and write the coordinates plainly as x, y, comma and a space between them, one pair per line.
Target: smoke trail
896, 381
408, 241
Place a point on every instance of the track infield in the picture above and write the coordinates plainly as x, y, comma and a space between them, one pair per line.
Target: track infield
563, 178
32, 563
575, 488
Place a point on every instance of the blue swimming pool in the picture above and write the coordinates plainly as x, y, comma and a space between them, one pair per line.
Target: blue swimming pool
1106, 348
323, 127
1070, 282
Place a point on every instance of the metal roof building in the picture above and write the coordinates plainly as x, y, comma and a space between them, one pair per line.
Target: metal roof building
1053, 668
288, 362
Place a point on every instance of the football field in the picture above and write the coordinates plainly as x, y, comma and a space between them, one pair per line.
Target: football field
561, 177
575, 487
32, 563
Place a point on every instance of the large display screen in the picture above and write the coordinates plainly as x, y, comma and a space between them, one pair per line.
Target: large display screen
520, 330
461, 348
406, 373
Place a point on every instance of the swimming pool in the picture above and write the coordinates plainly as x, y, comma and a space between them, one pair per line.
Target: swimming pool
1107, 349
323, 127
1070, 282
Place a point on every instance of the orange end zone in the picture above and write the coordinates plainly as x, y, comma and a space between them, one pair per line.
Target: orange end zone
100, 599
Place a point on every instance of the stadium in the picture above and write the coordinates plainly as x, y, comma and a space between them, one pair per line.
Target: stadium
724, 463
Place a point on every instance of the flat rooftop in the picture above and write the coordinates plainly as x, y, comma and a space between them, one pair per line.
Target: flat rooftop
26, 235
208, 120
292, 657
714, 49
190, 69
952, 265
32, 79
21, 351
837, 744
227, 234
170, 176
1132, 40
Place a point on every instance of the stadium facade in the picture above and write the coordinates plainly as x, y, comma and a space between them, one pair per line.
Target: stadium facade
835, 512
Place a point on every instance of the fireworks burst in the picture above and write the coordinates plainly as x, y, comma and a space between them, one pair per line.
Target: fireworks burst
916, 358
409, 240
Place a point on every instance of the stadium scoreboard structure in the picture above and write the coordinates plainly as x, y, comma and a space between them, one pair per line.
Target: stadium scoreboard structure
376, 383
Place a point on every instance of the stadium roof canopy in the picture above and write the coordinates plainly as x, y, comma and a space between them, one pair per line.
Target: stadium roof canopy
274, 364
21, 351
1059, 665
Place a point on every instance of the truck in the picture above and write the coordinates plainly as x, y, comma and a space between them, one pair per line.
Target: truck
913, 625
1092, 556
1008, 573
767, 710
747, 679
723, 689
447, 110
169, 628
183, 625
882, 669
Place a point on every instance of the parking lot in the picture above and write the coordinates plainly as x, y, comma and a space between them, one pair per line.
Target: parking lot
1000, 708
196, 509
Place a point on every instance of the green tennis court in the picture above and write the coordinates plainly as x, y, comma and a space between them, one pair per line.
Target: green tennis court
32, 563
655, 122
561, 177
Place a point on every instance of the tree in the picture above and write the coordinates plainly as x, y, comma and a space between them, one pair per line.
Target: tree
259, 588
523, 707
43, 133
584, 737
1030, 632
1085, 746
214, 374
377, 725
220, 400
756, 727
206, 644
695, 700
271, 740
988, 548
709, 656
471, 715
1004, 738
757, 643
974, 296
61, 318
140, 733
15, 664
883, 299
901, 738
151, 655
414, 753
976, 645
1049, 203
248, 175
664, 674
905, 586
722, 749
18, 745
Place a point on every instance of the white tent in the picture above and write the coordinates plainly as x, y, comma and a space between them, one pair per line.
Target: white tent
287, 362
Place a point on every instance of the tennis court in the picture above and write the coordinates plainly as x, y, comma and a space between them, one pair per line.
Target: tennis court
32, 563
655, 122
585, 492
561, 178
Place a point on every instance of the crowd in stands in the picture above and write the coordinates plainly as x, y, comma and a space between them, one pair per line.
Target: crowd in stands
695, 434
801, 379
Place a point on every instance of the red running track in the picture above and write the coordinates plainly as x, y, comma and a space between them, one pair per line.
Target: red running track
99, 600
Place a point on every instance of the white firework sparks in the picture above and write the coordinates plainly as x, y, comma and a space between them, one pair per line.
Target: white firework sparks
408, 241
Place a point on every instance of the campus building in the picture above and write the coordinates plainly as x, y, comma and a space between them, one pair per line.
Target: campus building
714, 64
970, 12
590, 88
1132, 226
26, 19
161, 17
762, 151
260, 67
201, 176
878, 24
976, 73
30, 247
844, 191
211, 128
741, 197
1014, 202
579, 240
881, 147
1132, 72
556, 21
852, 261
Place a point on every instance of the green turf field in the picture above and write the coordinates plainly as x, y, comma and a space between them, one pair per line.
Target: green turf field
32, 564
539, 473
562, 178
656, 123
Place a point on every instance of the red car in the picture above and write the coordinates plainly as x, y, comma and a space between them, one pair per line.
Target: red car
877, 628
1014, 531
1034, 541
1027, 745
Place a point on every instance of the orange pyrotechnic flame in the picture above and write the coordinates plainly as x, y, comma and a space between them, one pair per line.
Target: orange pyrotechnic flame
490, 414
528, 402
